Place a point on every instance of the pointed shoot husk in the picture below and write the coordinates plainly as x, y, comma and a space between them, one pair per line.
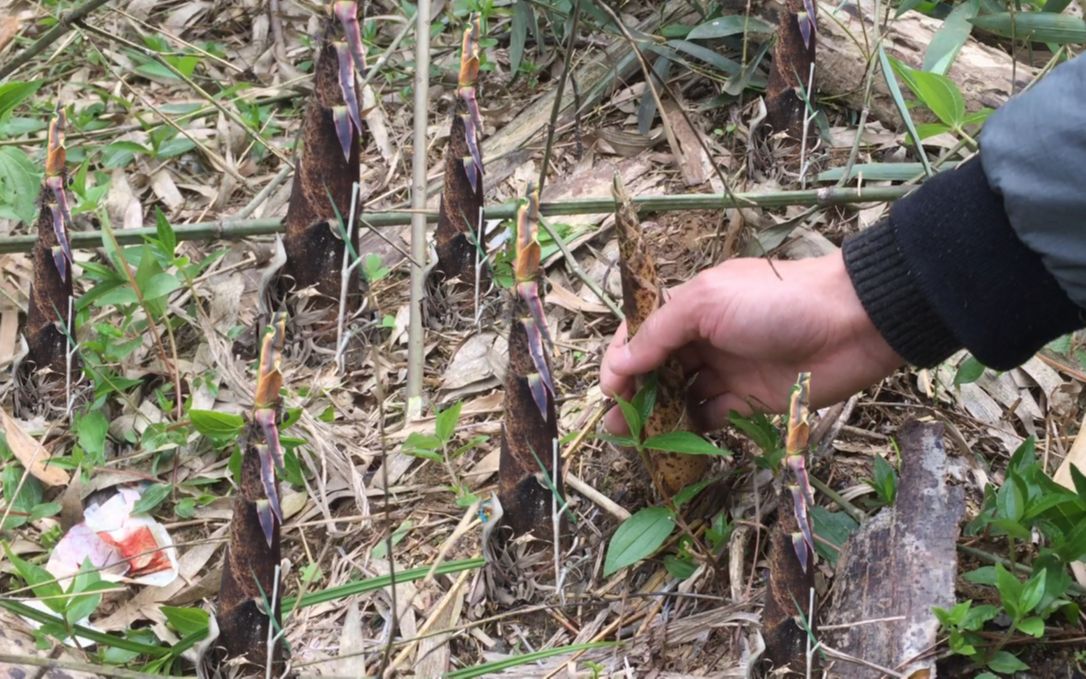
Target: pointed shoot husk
347, 13
799, 429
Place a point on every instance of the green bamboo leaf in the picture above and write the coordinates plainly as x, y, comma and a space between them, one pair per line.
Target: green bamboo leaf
489, 668
151, 498
731, 25
1062, 29
948, 40
15, 92
518, 33
446, 420
214, 424
380, 582
711, 57
969, 371
685, 442
938, 92
903, 109
638, 537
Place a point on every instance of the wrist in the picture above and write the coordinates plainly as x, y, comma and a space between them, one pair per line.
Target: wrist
863, 335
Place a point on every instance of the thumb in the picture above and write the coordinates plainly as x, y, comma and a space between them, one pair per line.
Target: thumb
672, 326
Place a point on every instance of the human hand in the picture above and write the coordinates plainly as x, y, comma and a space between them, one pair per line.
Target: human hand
746, 333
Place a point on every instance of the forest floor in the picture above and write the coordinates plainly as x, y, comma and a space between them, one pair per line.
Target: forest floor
368, 491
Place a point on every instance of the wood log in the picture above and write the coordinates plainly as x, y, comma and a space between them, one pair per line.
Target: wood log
987, 76
898, 566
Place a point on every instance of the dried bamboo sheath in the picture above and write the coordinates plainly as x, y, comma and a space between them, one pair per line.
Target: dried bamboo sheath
326, 171
640, 297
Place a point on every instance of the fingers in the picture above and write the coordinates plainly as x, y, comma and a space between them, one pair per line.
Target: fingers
611, 383
670, 327
713, 414
615, 423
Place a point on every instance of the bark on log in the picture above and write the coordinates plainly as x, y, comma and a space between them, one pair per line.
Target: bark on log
900, 565
986, 75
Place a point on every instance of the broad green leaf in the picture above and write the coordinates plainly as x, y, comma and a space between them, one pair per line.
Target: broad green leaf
1033, 591
685, 442
214, 424
731, 25
152, 497
16, 92
40, 581
632, 417
937, 92
692, 491
1035, 626
680, 569
419, 442
160, 285
87, 599
638, 537
20, 181
186, 620
1062, 29
948, 40
985, 575
1010, 590
1005, 662
164, 231
969, 371
1010, 501
446, 420
832, 527
91, 429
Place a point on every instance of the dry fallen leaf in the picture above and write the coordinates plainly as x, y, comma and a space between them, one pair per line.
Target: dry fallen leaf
33, 455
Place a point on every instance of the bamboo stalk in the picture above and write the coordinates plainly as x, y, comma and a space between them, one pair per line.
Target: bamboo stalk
415, 363
233, 229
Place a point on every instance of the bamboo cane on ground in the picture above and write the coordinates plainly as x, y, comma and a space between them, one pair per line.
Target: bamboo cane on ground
328, 165
791, 546
250, 579
526, 467
641, 295
458, 234
49, 323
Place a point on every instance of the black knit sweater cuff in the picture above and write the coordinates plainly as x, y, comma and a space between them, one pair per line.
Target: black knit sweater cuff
893, 300
947, 270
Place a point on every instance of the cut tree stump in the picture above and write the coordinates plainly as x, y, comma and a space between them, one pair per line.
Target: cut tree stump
898, 566
987, 76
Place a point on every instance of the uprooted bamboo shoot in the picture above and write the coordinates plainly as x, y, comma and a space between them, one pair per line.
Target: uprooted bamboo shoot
640, 297
49, 314
250, 594
319, 215
459, 231
787, 615
529, 476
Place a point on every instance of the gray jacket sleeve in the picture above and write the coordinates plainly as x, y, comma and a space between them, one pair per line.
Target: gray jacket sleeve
1034, 155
